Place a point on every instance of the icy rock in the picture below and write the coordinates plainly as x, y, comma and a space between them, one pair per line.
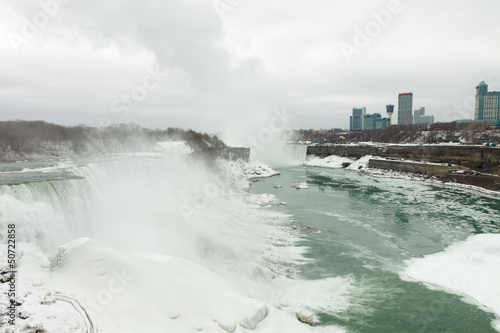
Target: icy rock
252, 321
302, 185
306, 317
264, 199
259, 170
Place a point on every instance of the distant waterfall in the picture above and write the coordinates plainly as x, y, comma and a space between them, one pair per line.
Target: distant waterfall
295, 153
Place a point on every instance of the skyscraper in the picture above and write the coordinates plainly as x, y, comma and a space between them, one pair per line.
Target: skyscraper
356, 123
405, 107
487, 104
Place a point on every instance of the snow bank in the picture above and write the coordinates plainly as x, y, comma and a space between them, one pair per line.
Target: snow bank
470, 268
333, 161
338, 162
88, 283
362, 163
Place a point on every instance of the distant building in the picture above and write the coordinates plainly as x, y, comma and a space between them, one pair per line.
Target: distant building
419, 117
405, 107
390, 110
356, 123
487, 104
375, 121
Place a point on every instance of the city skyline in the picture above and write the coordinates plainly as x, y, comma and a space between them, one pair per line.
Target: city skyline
227, 68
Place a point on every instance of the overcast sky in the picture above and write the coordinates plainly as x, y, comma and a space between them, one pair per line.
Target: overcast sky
214, 65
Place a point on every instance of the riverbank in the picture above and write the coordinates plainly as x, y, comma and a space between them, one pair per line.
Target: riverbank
479, 158
469, 166
443, 174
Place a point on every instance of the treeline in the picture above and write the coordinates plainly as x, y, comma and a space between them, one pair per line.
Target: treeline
27, 136
392, 134
330, 135
21, 139
439, 132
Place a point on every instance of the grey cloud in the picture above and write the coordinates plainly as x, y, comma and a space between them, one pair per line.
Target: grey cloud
263, 55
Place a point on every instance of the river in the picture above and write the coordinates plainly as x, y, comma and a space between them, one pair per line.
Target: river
365, 230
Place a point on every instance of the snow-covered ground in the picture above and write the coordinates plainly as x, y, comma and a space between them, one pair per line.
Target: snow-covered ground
470, 268
332, 161
90, 287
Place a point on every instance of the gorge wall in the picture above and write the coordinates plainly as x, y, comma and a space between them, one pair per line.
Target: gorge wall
474, 157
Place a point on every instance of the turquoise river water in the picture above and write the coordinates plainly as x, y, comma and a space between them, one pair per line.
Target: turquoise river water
365, 229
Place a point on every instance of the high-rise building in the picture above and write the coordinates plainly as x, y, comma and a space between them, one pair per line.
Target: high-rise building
405, 107
419, 117
356, 123
487, 104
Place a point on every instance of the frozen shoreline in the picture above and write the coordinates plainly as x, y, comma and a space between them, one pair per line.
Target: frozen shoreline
361, 165
469, 268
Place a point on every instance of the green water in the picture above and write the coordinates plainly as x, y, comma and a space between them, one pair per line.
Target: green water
366, 228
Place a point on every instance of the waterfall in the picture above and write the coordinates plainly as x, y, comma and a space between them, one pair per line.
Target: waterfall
295, 153
47, 213
125, 201
162, 204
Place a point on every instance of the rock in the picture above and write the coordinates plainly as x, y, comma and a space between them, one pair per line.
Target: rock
306, 317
